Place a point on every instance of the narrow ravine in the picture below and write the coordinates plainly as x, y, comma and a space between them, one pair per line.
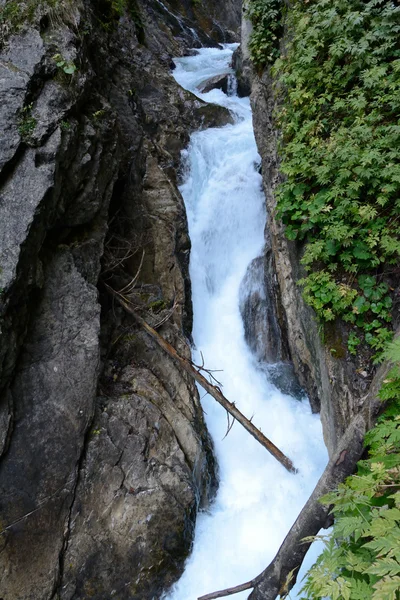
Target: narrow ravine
257, 499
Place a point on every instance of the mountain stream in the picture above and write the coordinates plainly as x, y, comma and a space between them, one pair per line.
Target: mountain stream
257, 499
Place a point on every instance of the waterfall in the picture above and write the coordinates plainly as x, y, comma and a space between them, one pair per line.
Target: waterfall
257, 500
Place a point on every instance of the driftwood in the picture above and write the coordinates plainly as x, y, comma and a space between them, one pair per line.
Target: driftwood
213, 390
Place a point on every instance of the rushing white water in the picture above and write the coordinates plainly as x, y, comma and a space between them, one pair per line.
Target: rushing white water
258, 499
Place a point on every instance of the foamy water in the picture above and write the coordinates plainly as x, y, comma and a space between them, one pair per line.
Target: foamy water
257, 500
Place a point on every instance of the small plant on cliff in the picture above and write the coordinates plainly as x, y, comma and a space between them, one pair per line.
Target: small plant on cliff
27, 123
67, 66
361, 559
17, 14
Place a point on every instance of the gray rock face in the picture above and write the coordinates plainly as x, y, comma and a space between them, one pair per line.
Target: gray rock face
219, 82
257, 307
136, 493
219, 19
242, 62
16, 69
53, 406
100, 479
334, 383
21, 198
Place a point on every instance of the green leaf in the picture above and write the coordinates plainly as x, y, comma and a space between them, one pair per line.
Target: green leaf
384, 566
361, 251
386, 588
70, 69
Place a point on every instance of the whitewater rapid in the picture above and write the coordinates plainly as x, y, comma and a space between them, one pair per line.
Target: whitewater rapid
257, 500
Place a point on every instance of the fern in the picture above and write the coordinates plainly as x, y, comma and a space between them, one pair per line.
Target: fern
361, 559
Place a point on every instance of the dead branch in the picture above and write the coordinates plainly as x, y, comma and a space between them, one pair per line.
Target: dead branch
127, 289
230, 425
167, 316
213, 390
229, 591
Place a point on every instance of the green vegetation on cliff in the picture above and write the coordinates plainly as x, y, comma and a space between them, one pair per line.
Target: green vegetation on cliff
338, 95
340, 151
361, 559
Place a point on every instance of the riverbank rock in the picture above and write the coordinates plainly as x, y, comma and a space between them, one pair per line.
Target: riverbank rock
241, 61
219, 82
261, 327
105, 458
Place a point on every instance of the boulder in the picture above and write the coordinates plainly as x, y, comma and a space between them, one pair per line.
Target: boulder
219, 82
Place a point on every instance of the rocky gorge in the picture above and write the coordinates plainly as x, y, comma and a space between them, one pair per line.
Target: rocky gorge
105, 457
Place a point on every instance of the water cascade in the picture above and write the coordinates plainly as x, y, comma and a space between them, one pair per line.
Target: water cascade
258, 499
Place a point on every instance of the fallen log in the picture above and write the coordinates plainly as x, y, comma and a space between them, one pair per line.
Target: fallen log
213, 390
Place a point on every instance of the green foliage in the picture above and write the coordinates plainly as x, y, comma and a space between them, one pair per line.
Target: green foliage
157, 306
27, 123
68, 67
265, 16
10, 13
340, 152
98, 114
16, 14
361, 559
353, 343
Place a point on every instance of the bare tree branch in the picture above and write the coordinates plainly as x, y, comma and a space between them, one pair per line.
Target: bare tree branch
213, 390
229, 591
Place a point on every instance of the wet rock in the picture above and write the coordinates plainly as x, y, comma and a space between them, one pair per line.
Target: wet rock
241, 61
243, 72
257, 307
283, 376
219, 82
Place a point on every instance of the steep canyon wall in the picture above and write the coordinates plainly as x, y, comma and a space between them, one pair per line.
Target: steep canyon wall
338, 385
104, 453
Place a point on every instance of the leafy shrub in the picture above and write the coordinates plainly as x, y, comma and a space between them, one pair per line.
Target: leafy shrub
26, 124
67, 67
340, 152
361, 559
265, 16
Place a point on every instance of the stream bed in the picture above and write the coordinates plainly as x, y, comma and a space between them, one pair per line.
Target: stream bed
257, 499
